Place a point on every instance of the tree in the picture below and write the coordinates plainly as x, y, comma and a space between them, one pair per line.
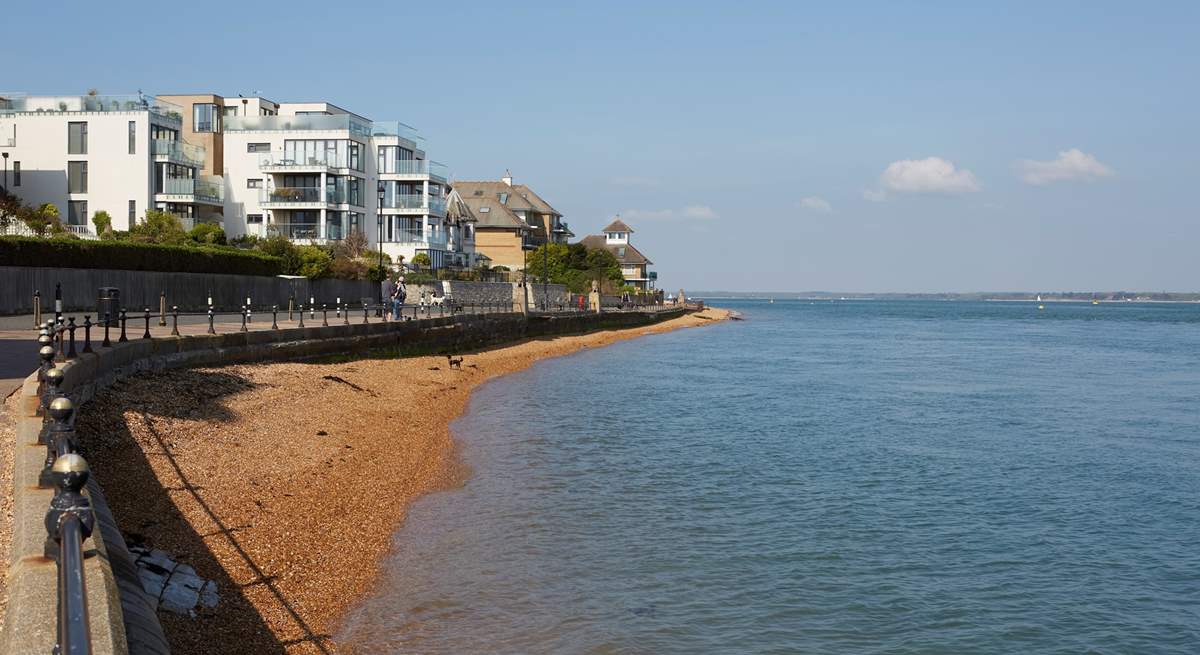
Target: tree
159, 227
576, 266
354, 246
315, 262
45, 217
10, 208
421, 259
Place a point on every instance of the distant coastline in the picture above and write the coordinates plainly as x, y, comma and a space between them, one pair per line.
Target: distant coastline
1001, 296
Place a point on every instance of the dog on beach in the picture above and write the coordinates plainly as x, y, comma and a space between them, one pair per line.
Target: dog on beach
455, 362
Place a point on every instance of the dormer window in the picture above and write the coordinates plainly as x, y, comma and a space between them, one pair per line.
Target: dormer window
503, 198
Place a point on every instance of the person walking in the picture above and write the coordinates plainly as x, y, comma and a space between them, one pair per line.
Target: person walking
398, 293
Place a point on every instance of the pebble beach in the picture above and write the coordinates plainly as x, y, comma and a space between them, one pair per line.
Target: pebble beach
284, 483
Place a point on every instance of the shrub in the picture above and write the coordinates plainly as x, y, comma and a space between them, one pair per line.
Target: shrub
315, 262
207, 233
421, 259
41, 219
132, 256
158, 227
345, 268
103, 222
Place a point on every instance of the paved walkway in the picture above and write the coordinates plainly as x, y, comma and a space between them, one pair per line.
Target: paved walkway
18, 338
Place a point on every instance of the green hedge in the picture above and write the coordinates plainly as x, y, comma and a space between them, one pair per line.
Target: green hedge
129, 256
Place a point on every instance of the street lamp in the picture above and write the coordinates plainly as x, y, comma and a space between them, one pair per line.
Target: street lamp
379, 240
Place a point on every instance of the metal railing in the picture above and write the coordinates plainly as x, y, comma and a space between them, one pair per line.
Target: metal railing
313, 122
92, 103
294, 195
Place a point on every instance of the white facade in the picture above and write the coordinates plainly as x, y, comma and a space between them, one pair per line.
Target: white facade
119, 154
313, 172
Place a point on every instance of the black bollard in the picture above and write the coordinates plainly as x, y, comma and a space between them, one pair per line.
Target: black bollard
274, 317
146, 334
123, 319
71, 329
244, 314
70, 507
325, 315
58, 436
162, 309
211, 329
301, 314
365, 320
107, 320
175, 320
346, 315
87, 333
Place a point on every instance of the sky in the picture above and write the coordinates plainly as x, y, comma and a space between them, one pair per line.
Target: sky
851, 146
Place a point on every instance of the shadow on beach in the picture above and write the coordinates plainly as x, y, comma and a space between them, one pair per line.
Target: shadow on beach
118, 437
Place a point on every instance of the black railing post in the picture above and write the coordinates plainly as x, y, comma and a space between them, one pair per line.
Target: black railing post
45, 356
346, 315
123, 319
51, 389
244, 314
69, 522
324, 315
175, 320
301, 315
87, 333
365, 318
71, 329
146, 334
58, 437
274, 317
211, 328
107, 320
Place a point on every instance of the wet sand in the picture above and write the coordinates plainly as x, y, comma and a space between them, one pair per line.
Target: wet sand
286, 482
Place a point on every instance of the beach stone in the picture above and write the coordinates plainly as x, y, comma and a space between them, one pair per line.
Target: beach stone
152, 583
179, 596
183, 569
208, 595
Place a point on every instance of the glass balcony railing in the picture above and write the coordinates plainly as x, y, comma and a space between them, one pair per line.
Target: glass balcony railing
312, 122
204, 189
293, 195
414, 167
91, 103
180, 151
179, 186
281, 160
295, 230
437, 205
404, 201
395, 128
433, 240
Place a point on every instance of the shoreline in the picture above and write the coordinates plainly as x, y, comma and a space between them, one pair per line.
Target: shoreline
291, 523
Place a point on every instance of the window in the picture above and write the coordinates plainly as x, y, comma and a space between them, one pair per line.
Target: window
160, 133
254, 183
485, 210
132, 212
254, 218
132, 137
356, 192
262, 111
76, 138
230, 111
205, 117
77, 212
355, 161
621, 251
16, 173
258, 147
77, 177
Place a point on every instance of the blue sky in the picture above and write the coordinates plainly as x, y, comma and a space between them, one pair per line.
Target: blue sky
887, 146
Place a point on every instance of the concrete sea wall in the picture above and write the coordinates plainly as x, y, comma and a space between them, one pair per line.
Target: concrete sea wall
122, 618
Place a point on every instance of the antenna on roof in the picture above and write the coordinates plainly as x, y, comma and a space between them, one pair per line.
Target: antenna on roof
507, 179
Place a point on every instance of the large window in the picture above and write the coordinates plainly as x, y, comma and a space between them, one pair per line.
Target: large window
230, 111
355, 158
77, 177
389, 155
206, 117
77, 212
328, 152
133, 137
16, 173
160, 133
258, 147
76, 138
356, 192
132, 212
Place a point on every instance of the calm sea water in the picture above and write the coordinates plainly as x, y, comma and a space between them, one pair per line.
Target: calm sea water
845, 477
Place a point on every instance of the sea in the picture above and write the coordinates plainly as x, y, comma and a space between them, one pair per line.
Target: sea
823, 477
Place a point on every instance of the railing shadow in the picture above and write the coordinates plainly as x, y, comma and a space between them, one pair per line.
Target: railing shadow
147, 506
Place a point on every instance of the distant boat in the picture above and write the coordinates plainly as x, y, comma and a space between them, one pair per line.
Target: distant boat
1041, 306
771, 301
1039, 298
1095, 302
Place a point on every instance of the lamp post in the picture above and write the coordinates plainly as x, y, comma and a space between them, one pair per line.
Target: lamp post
379, 240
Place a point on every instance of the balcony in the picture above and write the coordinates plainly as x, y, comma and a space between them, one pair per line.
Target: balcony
434, 240
299, 198
310, 232
279, 163
202, 191
178, 152
91, 103
410, 168
398, 130
306, 123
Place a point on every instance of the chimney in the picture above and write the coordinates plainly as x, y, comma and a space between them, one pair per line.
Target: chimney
507, 179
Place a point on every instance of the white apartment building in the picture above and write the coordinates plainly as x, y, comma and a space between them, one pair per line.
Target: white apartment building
313, 172
120, 154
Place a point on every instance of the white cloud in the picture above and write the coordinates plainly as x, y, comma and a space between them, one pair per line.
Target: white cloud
688, 213
929, 175
816, 203
636, 182
1072, 164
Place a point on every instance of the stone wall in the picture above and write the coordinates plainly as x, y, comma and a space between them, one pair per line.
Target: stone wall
189, 291
122, 618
